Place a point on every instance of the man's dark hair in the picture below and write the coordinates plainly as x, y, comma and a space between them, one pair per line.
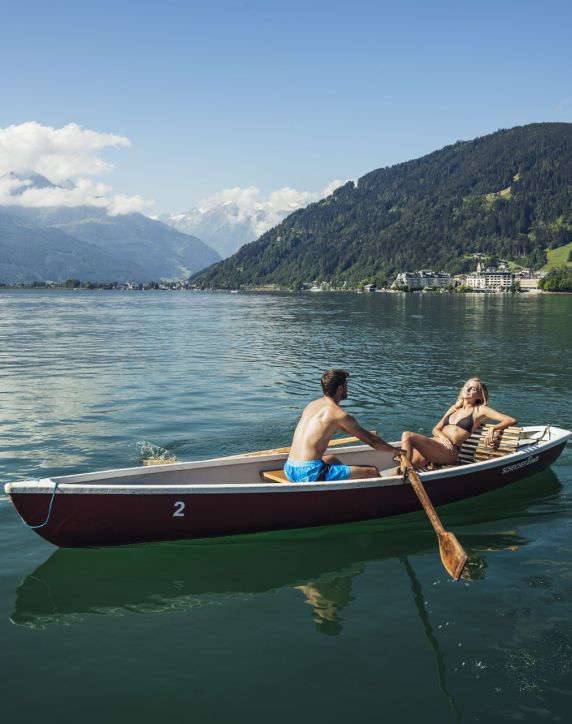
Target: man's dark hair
332, 379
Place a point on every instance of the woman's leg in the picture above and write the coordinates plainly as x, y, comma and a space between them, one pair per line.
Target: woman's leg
411, 451
421, 450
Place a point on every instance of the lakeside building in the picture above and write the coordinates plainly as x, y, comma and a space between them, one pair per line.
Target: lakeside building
424, 278
490, 280
528, 280
528, 284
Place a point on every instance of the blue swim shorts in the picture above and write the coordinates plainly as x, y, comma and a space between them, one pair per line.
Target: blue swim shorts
312, 471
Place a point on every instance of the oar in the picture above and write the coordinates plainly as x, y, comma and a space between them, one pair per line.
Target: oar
452, 552
276, 450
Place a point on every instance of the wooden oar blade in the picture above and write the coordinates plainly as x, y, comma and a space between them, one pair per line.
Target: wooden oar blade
452, 554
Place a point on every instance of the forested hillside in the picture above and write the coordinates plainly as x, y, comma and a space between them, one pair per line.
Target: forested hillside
508, 194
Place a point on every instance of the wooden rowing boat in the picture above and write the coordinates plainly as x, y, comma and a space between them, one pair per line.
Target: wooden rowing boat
227, 496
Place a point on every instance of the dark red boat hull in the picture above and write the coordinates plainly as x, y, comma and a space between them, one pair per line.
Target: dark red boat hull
114, 519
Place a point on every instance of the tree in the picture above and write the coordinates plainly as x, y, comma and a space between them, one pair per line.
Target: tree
557, 280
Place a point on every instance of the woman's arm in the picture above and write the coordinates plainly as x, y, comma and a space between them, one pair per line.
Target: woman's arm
503, 421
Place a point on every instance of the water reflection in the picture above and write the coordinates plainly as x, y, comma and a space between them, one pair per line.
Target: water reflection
321, 564
172, 576
419, 599
329, 596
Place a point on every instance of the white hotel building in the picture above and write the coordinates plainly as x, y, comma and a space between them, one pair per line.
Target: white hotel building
423, 278
490, 280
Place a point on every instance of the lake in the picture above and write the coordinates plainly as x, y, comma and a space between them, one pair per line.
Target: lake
355, 622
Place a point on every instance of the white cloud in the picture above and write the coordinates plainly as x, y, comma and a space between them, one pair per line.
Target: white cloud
250, 203
65, 157
122, 204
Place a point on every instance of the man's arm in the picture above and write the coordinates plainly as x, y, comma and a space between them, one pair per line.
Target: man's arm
348, 423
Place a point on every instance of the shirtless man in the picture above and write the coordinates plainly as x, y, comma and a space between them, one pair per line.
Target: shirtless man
320, 420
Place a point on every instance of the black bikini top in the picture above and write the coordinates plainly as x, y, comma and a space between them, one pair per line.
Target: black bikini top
466, 423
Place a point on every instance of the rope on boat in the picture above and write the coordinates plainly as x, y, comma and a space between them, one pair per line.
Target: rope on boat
41, 525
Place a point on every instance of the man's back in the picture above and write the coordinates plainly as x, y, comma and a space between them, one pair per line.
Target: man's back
319, 421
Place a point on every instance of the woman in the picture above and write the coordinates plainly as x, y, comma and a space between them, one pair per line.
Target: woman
456, 426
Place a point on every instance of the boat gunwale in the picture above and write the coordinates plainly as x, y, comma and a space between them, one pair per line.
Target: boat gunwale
80, 483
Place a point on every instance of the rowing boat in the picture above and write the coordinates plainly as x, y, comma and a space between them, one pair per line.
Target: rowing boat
230, 495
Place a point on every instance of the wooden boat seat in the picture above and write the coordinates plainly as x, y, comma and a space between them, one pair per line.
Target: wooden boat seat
274, 476
474, 449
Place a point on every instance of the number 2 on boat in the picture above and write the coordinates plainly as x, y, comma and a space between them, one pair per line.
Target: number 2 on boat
179, 509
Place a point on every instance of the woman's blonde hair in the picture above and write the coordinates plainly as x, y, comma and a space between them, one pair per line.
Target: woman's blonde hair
483, 391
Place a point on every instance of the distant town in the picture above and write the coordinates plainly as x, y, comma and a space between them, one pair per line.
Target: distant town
498, 279
487, 279
121, 286
483, 279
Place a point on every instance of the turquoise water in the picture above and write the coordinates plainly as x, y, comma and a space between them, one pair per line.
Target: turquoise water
356, 622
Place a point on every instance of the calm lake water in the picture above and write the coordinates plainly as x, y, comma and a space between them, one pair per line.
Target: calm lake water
349, 623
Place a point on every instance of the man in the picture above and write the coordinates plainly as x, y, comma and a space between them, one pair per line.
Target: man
320, 420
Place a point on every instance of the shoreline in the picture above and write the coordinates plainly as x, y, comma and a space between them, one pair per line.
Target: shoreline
265, 290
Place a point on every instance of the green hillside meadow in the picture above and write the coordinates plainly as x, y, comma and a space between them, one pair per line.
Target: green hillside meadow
558, 257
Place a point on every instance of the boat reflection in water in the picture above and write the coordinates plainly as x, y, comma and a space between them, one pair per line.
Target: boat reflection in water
320, 563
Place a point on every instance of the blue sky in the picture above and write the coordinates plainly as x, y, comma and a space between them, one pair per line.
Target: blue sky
225, 93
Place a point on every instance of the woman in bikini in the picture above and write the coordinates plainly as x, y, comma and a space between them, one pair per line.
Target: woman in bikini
456, 426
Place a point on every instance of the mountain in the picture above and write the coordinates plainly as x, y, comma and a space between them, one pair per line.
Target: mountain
162, 252
508, 194
224, 227
43, 254
86, 243
21, 183
228, 225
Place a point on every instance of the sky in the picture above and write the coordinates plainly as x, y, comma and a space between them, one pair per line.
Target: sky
159, 106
